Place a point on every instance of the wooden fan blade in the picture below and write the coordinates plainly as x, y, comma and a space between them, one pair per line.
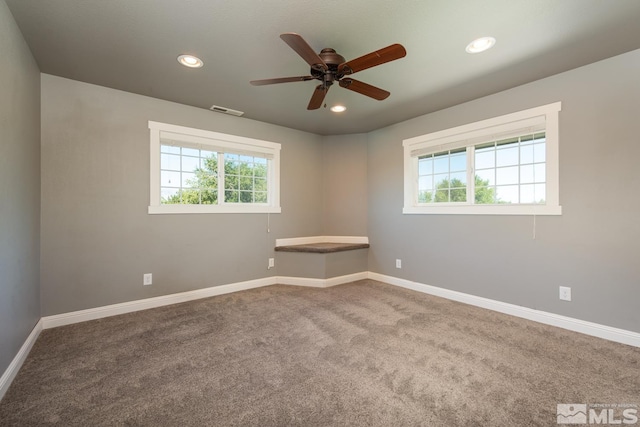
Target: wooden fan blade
281, 80
386, 54
364, 89
318, 97
302, 48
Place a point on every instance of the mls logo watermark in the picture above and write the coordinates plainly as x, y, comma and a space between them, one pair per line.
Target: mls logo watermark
572, 413
598, 413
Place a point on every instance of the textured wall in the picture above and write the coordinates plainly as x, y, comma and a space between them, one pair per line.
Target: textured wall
19, 189
593, 247
97, 238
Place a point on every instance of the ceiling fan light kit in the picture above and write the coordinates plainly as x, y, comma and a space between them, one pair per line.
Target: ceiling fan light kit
329, 67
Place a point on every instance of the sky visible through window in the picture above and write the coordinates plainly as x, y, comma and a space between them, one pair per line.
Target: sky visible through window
509, 171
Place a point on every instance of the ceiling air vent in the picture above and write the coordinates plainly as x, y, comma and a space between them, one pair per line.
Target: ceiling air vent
226, 110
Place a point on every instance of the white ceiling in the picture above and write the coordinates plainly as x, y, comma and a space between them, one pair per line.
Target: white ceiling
132, 45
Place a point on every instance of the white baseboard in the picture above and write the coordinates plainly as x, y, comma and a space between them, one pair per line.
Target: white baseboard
588, 328
143, 304
15, 365
322, 283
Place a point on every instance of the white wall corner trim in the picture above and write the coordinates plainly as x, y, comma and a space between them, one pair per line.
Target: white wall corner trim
16, 363
588, 328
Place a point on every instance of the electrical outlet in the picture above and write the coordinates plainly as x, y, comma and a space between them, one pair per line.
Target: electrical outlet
398, 263
565, 293
147, 279
272, 263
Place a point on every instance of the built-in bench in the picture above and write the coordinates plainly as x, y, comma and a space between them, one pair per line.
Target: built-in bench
322, 257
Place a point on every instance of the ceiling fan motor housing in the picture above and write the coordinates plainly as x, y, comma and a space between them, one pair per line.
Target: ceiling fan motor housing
333, 60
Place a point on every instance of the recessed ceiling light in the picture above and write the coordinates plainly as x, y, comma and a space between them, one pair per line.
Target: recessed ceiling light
190, 61
338, 108
480, 45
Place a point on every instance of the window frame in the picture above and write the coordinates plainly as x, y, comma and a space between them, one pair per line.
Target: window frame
221, 143
544, 118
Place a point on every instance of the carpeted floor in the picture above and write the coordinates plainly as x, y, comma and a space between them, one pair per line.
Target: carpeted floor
360, 354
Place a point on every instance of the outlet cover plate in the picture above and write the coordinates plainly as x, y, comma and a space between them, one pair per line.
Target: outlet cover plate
147, 279
565, 293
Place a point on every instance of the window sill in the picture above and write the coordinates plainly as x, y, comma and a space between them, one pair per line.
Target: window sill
212, 209
483, 210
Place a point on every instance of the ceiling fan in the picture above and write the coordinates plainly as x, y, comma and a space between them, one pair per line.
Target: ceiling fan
329, 67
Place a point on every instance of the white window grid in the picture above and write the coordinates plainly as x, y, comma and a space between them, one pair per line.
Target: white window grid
521, 186
251, 183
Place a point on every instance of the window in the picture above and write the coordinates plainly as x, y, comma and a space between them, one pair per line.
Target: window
197, 171
506, 165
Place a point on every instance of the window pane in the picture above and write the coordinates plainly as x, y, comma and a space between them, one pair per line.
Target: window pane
207, 181
526, 154
506, 176
441, 164
539, 172
485, 195
507, 194
231, 196
230, 167
442, 180
246, 183
459, 162
231, 182
527, 194
190, 152
442, 196
486, 177
169, 195
169, 161
260, 184
485, 159
526, 174
425, 196
169, 179
425, 166
260, 170
169, 149
189, 180
190, 164
458, 179
245, 169
507, 156
458, 195
260, 197
209, 197
539, 153
246, 197
425, 183
541, 193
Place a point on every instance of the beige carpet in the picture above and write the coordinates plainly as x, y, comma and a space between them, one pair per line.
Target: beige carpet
361, 354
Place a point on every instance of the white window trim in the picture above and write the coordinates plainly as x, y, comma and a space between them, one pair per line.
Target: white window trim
476, 133
218, 141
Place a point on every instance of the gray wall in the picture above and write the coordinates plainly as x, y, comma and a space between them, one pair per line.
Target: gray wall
593, 247
344, 165
19, 189
97, 238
